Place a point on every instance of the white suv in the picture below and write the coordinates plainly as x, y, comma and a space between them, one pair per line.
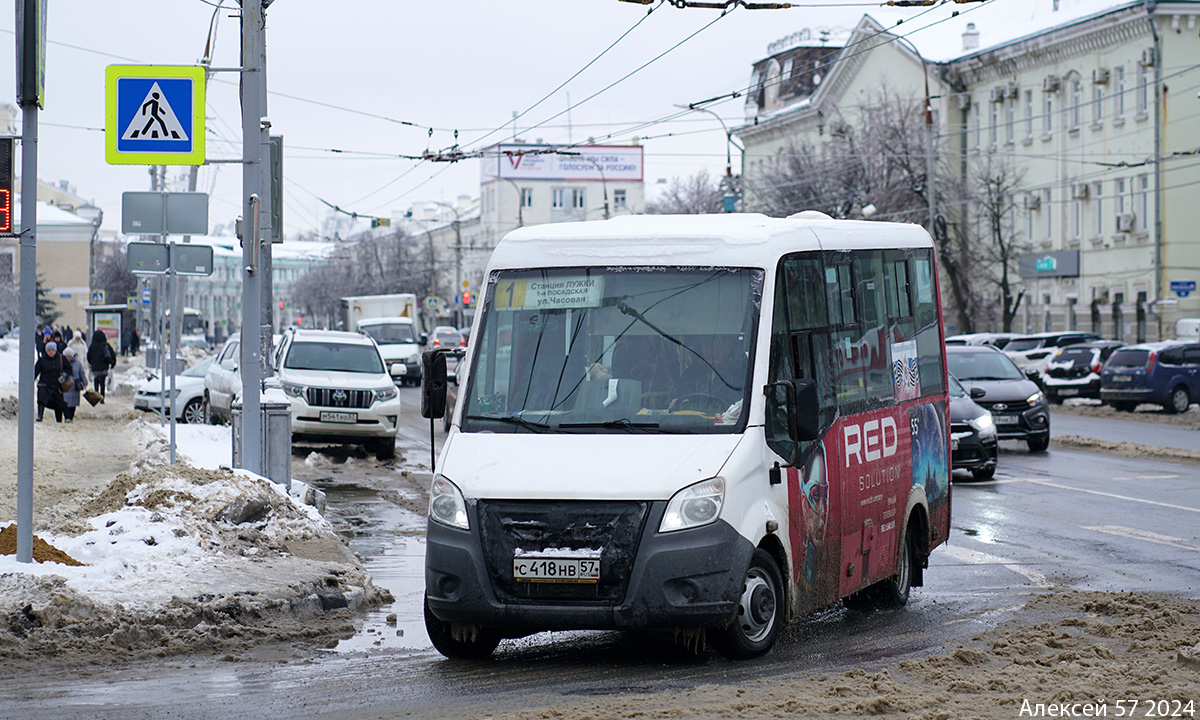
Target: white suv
339, 389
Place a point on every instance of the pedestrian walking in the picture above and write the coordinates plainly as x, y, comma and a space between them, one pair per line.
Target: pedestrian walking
79, 345
137, 341
78, 383
101, 358
47, 371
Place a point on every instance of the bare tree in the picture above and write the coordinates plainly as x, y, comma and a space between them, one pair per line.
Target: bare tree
112, 273
981, 249
696, 194
878, 158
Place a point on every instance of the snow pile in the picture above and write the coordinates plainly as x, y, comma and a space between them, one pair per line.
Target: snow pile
181, 559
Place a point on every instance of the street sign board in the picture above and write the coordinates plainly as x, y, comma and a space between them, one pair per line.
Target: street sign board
188, 259
154, 115
146, 295
98, 297
144, 258
184, 213
131, 302
1183, 288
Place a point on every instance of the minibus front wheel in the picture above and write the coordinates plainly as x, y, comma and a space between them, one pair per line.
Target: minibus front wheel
759, 614
461, 642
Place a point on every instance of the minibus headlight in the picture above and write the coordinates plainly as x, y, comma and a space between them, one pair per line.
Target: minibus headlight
694, 506
446, 504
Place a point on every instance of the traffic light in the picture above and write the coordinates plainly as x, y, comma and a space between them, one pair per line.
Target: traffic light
6, 187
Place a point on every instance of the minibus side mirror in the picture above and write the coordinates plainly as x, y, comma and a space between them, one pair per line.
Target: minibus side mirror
808, 410
433, 384
797, 399
977, 392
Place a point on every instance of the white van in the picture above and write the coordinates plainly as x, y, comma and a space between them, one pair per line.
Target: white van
703, 425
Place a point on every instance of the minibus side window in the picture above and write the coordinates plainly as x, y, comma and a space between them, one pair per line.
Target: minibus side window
845, 338
873, 325
929, 336
799, 342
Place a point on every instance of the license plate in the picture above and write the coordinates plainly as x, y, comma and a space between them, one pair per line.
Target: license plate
141, 404
1122, 378
338, 417
1068, 391
1005, 419
556, 570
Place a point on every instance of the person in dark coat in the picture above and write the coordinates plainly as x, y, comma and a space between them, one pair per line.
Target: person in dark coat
137, 341
101, 358
79, 382
46, 371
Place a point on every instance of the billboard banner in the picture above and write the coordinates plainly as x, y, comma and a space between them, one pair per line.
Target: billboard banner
1049, 264
547, 162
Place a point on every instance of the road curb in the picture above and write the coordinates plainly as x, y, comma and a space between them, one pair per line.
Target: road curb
1127, 449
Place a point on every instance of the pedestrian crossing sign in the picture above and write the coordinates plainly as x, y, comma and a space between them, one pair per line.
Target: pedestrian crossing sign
154, 115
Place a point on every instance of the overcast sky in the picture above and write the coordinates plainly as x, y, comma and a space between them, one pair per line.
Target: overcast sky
343, 74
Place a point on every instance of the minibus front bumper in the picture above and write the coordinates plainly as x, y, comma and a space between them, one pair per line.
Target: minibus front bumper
649, 580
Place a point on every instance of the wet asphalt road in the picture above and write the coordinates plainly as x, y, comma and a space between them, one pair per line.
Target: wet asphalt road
1064, 518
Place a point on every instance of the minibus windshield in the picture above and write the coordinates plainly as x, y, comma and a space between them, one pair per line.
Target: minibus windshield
614, 350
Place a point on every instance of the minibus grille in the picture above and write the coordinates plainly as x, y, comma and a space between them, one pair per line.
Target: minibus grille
613, 527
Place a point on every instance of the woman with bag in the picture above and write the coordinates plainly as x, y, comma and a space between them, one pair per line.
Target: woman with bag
78, 383
47, 371
100, 357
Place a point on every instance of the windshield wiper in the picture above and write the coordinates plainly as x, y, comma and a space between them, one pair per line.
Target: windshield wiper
512, 420
623, 424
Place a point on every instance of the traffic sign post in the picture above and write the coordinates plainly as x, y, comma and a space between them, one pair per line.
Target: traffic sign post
154, 115
98, 297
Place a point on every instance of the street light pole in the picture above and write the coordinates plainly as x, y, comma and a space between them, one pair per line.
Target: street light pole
728, 182
930, 171
603, 185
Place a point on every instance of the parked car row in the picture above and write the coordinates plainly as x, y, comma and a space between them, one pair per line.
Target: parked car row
1081, 364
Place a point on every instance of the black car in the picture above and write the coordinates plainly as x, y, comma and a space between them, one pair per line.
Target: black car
973, 444
1074, 371
1017, 404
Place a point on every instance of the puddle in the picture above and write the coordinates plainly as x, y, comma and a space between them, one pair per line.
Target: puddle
391, 541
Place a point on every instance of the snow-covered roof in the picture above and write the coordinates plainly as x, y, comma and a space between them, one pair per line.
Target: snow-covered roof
937, 32
48, 214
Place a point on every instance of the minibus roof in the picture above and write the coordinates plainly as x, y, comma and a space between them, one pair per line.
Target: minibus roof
734, 239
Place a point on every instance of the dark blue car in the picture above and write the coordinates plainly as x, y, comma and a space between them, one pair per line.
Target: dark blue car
1163, 373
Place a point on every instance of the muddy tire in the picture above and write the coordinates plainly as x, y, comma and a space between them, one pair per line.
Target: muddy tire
460, 644
195, 412
760, 611
893, 592
1038, 443
1178, 401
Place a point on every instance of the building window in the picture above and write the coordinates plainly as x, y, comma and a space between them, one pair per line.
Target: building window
577, 199
1142, 207
1029, 113
976, 131
619, 201
526, 197
1119, 99
558, 198
1097, 103
995, 122
1143, 90
1048, 208
1010, 119
1077, 220
1119, 196
1098, 208
1029, 223
1048, 117
787, 70
1076, 104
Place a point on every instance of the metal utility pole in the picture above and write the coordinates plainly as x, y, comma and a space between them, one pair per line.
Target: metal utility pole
31, 31
254, 145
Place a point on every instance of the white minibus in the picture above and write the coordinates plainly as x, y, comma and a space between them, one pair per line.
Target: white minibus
704, 425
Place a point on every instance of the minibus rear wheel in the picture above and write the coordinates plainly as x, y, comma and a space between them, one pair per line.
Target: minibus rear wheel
759, 612
893, 592
475, 645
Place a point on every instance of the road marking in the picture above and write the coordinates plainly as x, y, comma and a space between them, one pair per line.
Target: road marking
975, 557
1111, 495
1142, 535
1148, 477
